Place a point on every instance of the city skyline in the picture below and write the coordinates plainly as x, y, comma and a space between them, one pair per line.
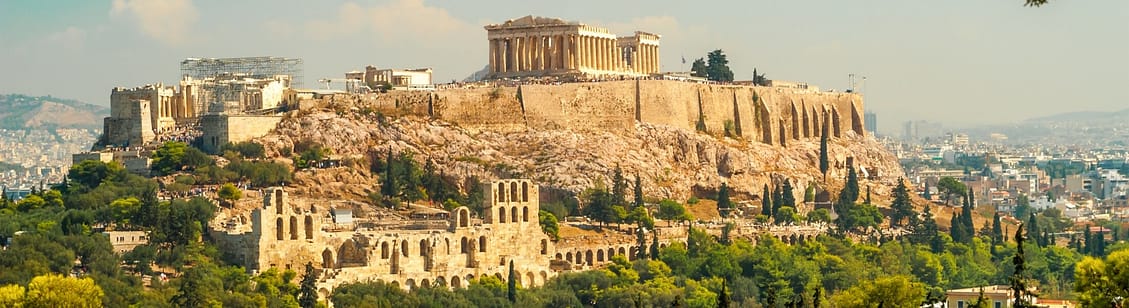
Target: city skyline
962, 62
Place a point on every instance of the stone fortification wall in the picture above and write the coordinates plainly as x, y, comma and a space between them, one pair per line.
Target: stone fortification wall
765, 114
219, 129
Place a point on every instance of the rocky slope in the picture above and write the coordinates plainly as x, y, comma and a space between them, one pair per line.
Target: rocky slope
672, 162
24, 112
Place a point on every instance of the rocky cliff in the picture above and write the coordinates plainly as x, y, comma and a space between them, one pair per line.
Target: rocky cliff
672, 162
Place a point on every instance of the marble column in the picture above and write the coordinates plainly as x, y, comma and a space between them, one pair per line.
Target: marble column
493, 64
586, 52
511, 53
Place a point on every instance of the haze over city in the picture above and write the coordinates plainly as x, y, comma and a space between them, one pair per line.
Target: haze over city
957, 62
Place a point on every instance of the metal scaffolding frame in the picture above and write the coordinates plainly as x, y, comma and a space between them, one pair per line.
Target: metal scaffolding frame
254, 67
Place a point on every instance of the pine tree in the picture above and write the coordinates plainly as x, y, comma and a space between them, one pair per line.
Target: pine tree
638, 192
788, 197
902, 207
936, 243
766, 202
619, 187
511, 286
824, 165
308, 296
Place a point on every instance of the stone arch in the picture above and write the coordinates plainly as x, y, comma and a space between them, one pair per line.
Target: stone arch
327, 258
278, 201
500, 277
513, 192
544, 277
447, 244
482, 243
568, 257
588, 257
544, 246
524, 191
611, 252
404, 248
280, 229
349, 253
425, 283
455, 283
422, 248
462, 217
410, 283
529, 280
599, 255
792, 239
513, 214
384, 251
622, 251
463, 246
558, 256
502, 192
324, 293
662, 246
502, 214
525, 214
632, 253
309, 227
441, 281
470, 277
293, 228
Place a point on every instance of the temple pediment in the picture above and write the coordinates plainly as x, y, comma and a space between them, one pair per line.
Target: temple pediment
530, 20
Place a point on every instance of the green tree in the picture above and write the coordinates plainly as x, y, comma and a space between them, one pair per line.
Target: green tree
699, 68
57, 291
886, 291
997, 233
1101, 283
903, 209
175, 156
308, 296
638, 192
1018, 277
723, 202
601, 207
671, 210
549, 224
229, 193
12, 296
786, 215
788, 197
718, 67
511, 284
619, 187
766, 202
951, 187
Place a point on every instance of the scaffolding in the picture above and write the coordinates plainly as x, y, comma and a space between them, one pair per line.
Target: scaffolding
254, 67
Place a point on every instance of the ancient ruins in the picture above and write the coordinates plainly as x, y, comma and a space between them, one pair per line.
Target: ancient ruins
539, 46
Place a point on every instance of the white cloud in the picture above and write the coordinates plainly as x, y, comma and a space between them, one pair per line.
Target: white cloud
167, 21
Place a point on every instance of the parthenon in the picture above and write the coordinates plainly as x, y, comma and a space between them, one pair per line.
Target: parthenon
538, 46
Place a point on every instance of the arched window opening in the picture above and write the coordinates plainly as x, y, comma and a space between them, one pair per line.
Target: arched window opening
525, 214
293, 227
482, 244
524, 192
280, 228
309, 227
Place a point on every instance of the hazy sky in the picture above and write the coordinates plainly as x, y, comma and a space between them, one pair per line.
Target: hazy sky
955, 61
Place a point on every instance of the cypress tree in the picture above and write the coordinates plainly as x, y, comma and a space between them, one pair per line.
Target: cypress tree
1018, 280
788, 197
1089, 249
966, 221
308, 296
777, 199
868, 200
927, 195
641, 242
638, 191
902, 206
997, 233
389, 188
723, 203
1032, 227
619, 188
655, 246
852, 185
766, 202
957, 229
511, 287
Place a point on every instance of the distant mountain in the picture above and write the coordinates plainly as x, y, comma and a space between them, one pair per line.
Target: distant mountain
1083, 116
19, 111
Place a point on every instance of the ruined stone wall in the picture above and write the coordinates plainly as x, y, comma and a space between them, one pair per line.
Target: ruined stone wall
764, 114
219, 129
129, 124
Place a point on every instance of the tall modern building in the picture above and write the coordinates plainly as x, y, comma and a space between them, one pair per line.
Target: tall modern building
871, 122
